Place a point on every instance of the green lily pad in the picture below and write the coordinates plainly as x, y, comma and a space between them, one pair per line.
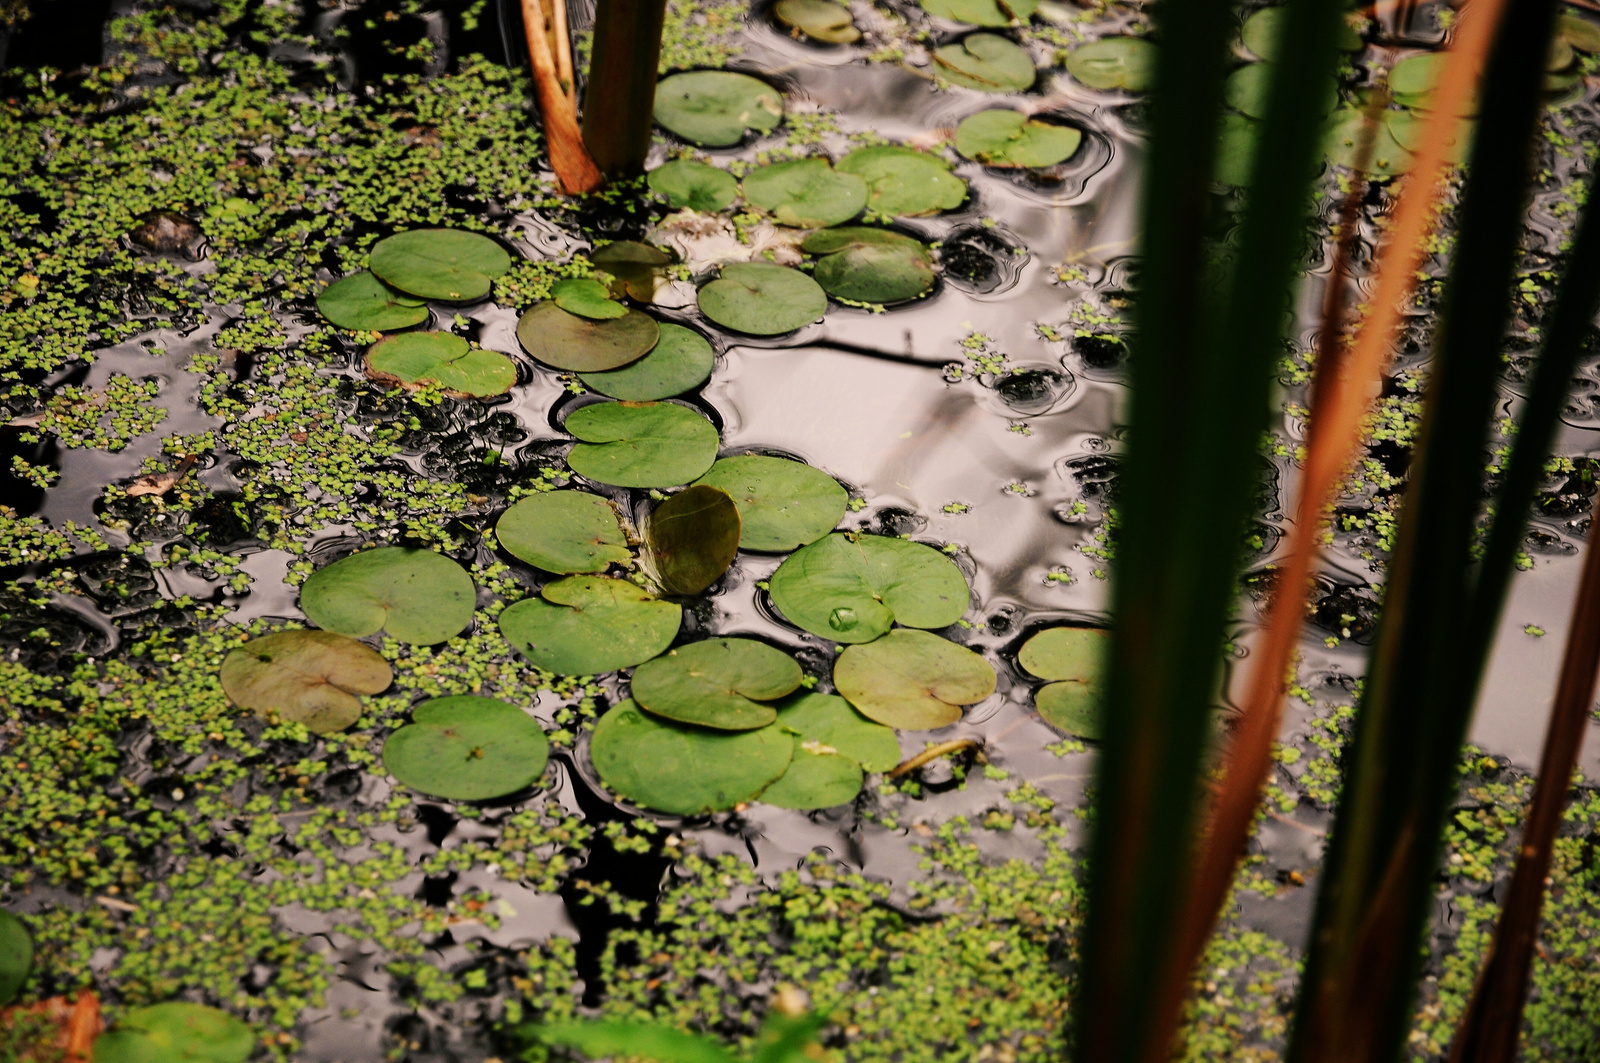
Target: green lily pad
586, 297
783, 504
362, 302
641, 444
684, 770
833, 743
1008, 138
577, 344
905, 182
696, 185
309, 677
588, 625
691, 539
1236, 149
870, 265
1127, 63
413, 359
981, 12
1250, 87
1414, 79
821, 20
912, 680
680, 361
987, 62
444, 264
815, 779
1262, 30
716, 107
1579, 32
762, 299
16, 956
717, 683
636, 268
176, 1032
1074, 656
564, 531
851, 588
1405, 128
415, 595
467, 748
806, 193
1560, 55
1343, 140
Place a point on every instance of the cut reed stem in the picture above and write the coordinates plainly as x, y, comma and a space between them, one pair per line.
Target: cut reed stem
570, 160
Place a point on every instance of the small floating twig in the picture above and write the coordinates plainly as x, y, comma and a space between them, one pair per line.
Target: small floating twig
932, 753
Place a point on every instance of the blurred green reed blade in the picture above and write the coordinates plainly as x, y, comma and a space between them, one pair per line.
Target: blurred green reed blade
1357, 993
1209, 330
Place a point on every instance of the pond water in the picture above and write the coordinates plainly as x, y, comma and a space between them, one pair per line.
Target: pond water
159, 843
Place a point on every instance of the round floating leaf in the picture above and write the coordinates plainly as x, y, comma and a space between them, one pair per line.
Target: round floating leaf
806, 193
981, 12
641, 444
586, 297
912, 680
684, 770
413, 359
691, 539
762, 299
851, 588
1071, 707
680, 361
1405, 129
362, 302
904, 181
717, 683
715, 107
815, 779
637, 267
308, 677
414, 595
696, 185
1127, 63
1073, 655
1008, 138
577, 344
467, 748
1413, 80
16, 956
587, 625
821, 20
1343, 139
783, 504
176, 1032
564, 531
1236, 149
1580, 33
870, 265
444, 264
987, 62
1262, 31
828, 723
1249, 88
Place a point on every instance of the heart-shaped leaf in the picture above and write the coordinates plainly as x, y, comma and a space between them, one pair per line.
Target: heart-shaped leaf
1009, 138
1074, 656
362, 302
822, 20
16, 956
588, 625
1248, 89
815, 779
564, 531
467, 748
415, 595
905, 182
806, 193
413, 359
762, 299
691, 539
637, 267
1263, 30
313, 678
912, 680
870, 265
716, 107
850, 588
684, 770
586, 297
696, 185
176, 1032
981, 12
783, 505
1127, 63
641, 444
986, 62
680, 361
833, 743
445, 264
577, 344
1412, 81
717, 683
1389, 158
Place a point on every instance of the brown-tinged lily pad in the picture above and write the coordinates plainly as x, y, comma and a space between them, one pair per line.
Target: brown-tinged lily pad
581, 345
691, 539
314, 678
912, 680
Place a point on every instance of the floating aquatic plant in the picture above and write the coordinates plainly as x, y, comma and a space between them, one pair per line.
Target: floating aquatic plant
725, 683
589, 625
413, 595
564, 532
467, 748
315, 678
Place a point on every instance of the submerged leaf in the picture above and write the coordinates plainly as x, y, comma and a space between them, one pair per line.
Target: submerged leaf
444, 264
413, 359
851, 588
564, 531
981, 12
696, 185
588, 625
716, 107
641, 444
16, 956
717, 683
762, 299
783, 504
1009, 138
821, 20
415, 595
987, 62
586, 297
680, 361
806, 193
362, 302
870, 265
176, 1032
467, 748
1073, 655
691, 539
905, 182
912, 680
1127, 63
307, 677
684, 770
577, 344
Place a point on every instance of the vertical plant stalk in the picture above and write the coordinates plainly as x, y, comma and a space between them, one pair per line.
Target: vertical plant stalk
557, 21
570, 160
620, 95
